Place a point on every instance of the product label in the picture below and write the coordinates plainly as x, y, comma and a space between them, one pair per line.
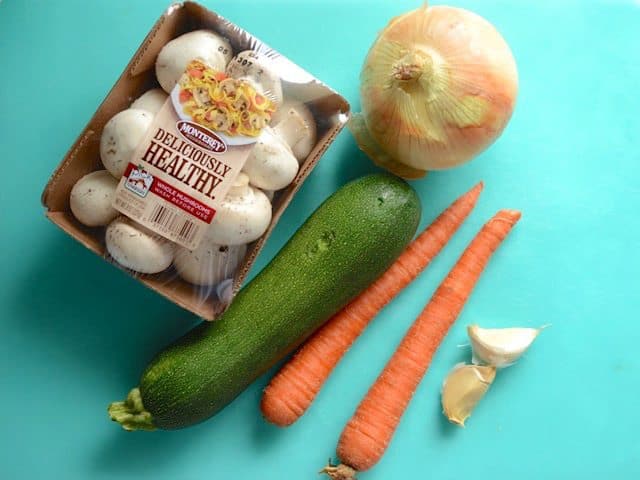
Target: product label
192, 153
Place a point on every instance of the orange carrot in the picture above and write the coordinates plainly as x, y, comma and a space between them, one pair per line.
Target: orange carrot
368, 433
295, 386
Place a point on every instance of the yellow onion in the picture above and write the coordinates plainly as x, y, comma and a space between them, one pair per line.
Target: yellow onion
438, 86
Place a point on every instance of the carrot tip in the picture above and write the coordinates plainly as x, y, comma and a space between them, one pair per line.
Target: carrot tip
475, 191
510, 215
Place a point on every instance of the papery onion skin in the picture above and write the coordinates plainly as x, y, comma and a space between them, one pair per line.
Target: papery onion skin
438, 86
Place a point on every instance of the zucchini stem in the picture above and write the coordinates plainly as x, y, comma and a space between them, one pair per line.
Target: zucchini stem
131, 413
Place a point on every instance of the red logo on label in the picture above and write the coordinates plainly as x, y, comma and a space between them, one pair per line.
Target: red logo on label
138, 180
201, 136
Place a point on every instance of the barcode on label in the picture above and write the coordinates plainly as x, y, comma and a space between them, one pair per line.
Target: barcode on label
172, 222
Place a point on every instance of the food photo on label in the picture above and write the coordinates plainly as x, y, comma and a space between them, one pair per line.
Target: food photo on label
222, 103
319, 239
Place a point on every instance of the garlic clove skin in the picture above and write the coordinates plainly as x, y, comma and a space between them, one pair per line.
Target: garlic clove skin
243, 217
209, 263
151, 101
258, 69
463, 388
271, 164
500, 347
212, 49
294, 123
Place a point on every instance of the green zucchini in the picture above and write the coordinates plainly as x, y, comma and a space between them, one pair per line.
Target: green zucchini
349, 241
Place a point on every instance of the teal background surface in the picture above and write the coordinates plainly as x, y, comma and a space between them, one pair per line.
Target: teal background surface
76, 332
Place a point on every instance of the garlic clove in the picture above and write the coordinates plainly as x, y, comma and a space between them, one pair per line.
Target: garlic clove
462, 390
500, 347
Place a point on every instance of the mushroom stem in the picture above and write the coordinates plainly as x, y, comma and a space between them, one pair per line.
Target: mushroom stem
293, 128
239, 186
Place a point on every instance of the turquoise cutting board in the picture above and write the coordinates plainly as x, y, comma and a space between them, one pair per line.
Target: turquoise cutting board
569, 160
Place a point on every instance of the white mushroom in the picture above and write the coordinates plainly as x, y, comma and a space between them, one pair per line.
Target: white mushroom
294, 122
137, 248
91, 199
271, 164
257, 68
243, 216
151, 101
204, 45
209, 263
121, 136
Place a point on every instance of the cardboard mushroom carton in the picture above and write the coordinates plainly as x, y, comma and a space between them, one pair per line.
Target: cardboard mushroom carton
330, 112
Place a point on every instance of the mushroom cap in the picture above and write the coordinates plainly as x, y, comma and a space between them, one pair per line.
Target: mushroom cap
91, 199
243, 217
137, 248
204, 45
271, 165
151, 101
209, 263
294, 122
121, 136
